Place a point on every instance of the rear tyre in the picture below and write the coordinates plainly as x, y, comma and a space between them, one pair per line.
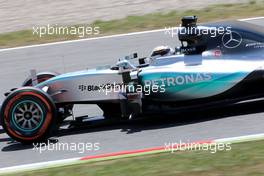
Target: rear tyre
28, 115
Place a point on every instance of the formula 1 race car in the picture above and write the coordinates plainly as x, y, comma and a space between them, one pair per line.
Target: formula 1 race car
217, 64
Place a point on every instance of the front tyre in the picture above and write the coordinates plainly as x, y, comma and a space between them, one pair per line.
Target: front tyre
44, 76
28, 115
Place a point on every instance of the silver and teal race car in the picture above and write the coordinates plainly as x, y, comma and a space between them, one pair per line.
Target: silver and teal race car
217, 64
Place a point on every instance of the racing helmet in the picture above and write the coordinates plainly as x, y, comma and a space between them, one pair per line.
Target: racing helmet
162, 51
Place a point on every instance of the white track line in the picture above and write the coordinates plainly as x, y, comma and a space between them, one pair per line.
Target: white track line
246, 138
65, 162
82, 40
41, 165
250, 19
104, 37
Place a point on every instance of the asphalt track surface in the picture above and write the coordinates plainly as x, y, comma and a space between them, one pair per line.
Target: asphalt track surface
116, 136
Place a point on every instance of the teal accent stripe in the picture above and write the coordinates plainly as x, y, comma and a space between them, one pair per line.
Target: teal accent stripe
204, 86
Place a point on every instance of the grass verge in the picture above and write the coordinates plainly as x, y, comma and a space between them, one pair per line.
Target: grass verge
139, 23
245, 159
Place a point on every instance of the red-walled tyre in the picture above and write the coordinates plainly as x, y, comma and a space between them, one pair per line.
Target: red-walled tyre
43, 76
28, 115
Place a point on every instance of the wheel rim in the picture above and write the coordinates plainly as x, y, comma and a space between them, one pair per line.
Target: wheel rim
27, 116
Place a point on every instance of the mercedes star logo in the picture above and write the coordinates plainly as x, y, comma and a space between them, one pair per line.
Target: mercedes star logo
231, 39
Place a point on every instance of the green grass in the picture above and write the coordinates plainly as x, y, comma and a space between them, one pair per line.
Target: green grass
138, 23
245, 159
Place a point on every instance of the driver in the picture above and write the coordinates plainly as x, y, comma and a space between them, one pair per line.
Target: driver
161, 51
